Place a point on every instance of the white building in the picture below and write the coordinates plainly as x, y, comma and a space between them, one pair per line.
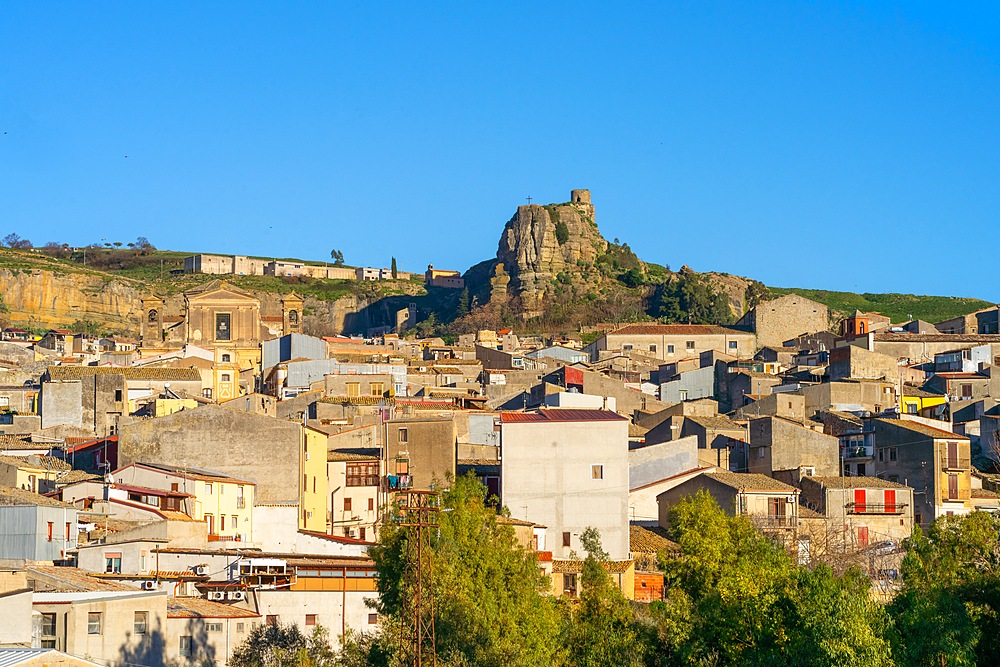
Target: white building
568, 469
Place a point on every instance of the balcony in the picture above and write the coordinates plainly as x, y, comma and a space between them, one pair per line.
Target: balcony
956, 495
240, 503
398, 482
362, 480
875, 508
773, 520
857, 452
955, 462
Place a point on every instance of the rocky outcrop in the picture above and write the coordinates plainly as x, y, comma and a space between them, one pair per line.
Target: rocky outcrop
40, 298
541, 243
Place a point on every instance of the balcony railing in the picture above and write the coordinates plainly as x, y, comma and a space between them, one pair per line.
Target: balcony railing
876, 508
362, 480
240, 503
394, 482
955, 462
858, 453
773, 521
956, 496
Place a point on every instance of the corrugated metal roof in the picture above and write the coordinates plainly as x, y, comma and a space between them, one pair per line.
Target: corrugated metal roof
9, 657
560, 415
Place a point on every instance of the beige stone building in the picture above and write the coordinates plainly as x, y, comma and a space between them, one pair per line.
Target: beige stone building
785, 318
670, 342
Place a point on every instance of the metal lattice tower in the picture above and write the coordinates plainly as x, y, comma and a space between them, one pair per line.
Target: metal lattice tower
418, 516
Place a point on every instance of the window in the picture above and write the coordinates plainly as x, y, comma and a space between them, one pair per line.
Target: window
361, 533
371, 504
377, 389
48, 533
353, 389
208, 488
234, 520
210, 520
892, 453
404, 435
310, 619
689, 344
881, 455
894, 478
372, 619
113, 563
206, 393
861, 470
226, 358
626, 348
862, 537
362, 473
566, 540
118, 395
911, 408
226, 377
48, 625
952, 487
174, 486
293, 317
140, 622
652, 348
733, 345
966, 391
213, 627
597, 472
94, 623
271, 619
152, 316
670, 349
223, 328
185, 646
347, 504
222, 523
240, 627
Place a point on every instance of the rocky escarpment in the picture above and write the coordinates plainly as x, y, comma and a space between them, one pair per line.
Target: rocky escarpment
38, 298
541, 244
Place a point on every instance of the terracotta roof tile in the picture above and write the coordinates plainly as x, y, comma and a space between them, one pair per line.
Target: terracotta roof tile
649, 540
188, 607
746, 481
677, 330
128, 372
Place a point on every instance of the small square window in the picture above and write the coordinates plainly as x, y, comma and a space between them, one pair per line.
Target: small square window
732, 345
347, 504
597, 472
670, 349
271, 619
240, 627
94, 623
689, 344
310, 619
372, 619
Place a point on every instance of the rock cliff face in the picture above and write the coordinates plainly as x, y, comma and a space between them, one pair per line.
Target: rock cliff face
47, 299
541, 242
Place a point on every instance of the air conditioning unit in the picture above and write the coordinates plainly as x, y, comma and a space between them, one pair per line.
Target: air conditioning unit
791, 499
809, 472
149, 585
237, 595
200, 570
216, 595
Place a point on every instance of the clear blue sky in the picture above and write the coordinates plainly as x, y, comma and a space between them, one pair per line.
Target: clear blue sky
839, 145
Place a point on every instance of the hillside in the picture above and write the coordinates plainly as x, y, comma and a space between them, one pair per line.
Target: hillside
553, 271
898, 307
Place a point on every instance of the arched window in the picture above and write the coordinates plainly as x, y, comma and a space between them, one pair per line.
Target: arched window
152, 315
226, 358
293, 316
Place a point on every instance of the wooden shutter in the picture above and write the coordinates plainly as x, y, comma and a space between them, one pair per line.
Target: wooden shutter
859, 501
890, 501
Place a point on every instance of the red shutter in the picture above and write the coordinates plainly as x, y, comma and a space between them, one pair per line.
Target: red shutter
859, 501
890, 501
862, 537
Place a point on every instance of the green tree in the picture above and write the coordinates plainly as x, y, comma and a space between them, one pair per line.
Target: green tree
337, 257
394, 273
489, 604
562, 232
281, 645
463, 303
948, 612
602, 630
738, 599
689, 297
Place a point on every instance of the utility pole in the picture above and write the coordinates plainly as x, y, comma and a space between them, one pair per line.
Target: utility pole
418, 516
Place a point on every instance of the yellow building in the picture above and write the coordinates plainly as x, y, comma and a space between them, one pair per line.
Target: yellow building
34, 473
914, 401
312, 472
224, 503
